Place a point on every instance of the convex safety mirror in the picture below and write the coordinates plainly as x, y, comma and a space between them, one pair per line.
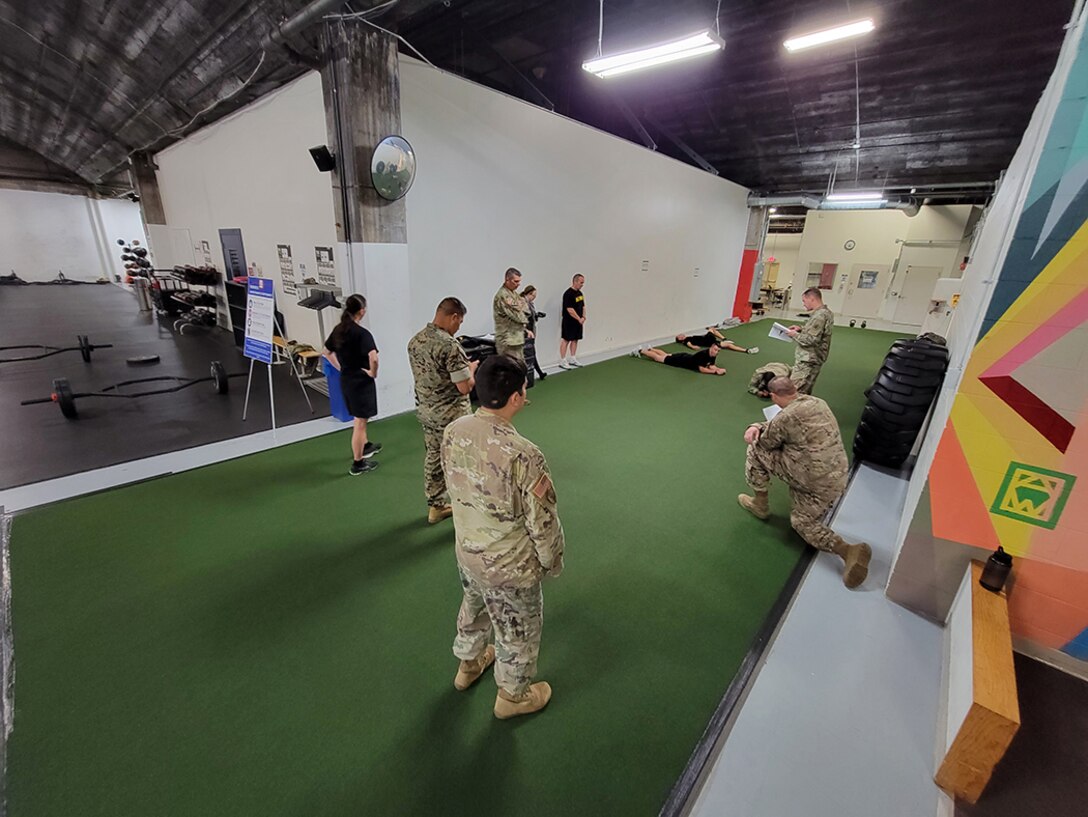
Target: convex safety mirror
393, 167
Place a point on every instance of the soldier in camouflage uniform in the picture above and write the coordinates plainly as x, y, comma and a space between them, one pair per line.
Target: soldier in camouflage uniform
508, 539
444, 377
802, 447
511, 317
813, 341
763, 375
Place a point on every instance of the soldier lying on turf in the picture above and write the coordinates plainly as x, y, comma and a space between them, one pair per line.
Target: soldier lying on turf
701, 361
764, 375
712, 335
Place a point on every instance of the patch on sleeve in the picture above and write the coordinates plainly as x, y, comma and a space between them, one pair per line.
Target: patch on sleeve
543, 487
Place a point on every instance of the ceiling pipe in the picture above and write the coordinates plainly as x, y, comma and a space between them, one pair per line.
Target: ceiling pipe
909, 206
299, 22
792, 200
943, 186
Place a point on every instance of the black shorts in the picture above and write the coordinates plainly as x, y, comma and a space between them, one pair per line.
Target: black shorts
682, 361
571, 329
360, 395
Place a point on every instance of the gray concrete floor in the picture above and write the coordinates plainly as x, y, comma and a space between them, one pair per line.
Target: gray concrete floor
842, 717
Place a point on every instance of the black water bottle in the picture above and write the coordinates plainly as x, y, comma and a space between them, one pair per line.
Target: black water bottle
996, 570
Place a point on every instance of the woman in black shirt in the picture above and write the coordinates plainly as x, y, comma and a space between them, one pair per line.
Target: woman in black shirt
352, 351
529, 294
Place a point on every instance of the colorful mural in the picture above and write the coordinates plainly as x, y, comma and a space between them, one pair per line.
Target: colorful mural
1009, 466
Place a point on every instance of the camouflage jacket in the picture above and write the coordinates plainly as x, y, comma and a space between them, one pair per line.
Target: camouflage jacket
504, 507
511, 317
438, 365
813, 457
814, 339
759, 381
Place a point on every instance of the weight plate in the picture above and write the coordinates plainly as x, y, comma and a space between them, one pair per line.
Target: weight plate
84, 348
219, 378
62, 396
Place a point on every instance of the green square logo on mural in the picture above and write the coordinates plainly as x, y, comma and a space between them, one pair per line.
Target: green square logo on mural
1033, 495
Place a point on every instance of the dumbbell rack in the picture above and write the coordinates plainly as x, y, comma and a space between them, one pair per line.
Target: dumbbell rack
168, 285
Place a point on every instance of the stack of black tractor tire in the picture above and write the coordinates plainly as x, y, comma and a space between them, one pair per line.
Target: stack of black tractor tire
899, 401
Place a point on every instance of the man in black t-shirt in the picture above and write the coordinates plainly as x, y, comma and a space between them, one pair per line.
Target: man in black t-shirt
702, 361
574, 318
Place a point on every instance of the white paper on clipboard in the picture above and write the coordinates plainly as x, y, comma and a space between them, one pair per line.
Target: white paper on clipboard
771, 411
780, 332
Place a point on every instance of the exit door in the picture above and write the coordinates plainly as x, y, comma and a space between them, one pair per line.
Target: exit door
234, 254
865, 294
915, 290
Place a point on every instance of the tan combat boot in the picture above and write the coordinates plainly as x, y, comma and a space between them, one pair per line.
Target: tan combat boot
438, 514
758, 505
470, 671
533, 699
855, 561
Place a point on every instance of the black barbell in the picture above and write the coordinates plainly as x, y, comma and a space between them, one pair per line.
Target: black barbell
84, 348
65, 398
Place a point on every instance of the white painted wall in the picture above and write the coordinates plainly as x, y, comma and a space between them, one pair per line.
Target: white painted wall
500, 183
252, 170
879, 237
42, 234
118, 219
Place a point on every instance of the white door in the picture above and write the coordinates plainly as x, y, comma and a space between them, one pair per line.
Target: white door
914, 291
865, 292
770, 277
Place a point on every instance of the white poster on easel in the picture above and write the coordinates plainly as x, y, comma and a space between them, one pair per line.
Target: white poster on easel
260, 306
261, 324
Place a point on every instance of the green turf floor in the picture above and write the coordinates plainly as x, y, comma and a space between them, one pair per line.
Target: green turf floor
269, 636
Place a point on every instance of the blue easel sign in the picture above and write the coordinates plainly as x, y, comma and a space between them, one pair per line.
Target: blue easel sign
260, 307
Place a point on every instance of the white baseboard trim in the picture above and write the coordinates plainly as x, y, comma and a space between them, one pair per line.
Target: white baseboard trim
25, 497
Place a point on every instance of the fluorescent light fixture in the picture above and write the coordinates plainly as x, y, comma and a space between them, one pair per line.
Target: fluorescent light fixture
830, 35
857, 204
857, 195
693, 46
794, 216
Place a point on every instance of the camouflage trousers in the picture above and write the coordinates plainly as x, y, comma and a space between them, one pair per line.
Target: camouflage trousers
808, 509
804, 375
516, 352
516, 615
434, 478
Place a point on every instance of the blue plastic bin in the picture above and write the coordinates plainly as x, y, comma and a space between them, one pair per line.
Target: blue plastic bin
336, 397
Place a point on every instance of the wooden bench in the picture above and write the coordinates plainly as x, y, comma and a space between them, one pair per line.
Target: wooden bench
982, 709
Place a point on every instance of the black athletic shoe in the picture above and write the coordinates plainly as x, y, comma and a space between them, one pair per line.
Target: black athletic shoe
370, 449
361, 467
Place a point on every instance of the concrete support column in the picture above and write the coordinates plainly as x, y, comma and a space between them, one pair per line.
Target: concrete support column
361, 84
146, 184
751, 264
